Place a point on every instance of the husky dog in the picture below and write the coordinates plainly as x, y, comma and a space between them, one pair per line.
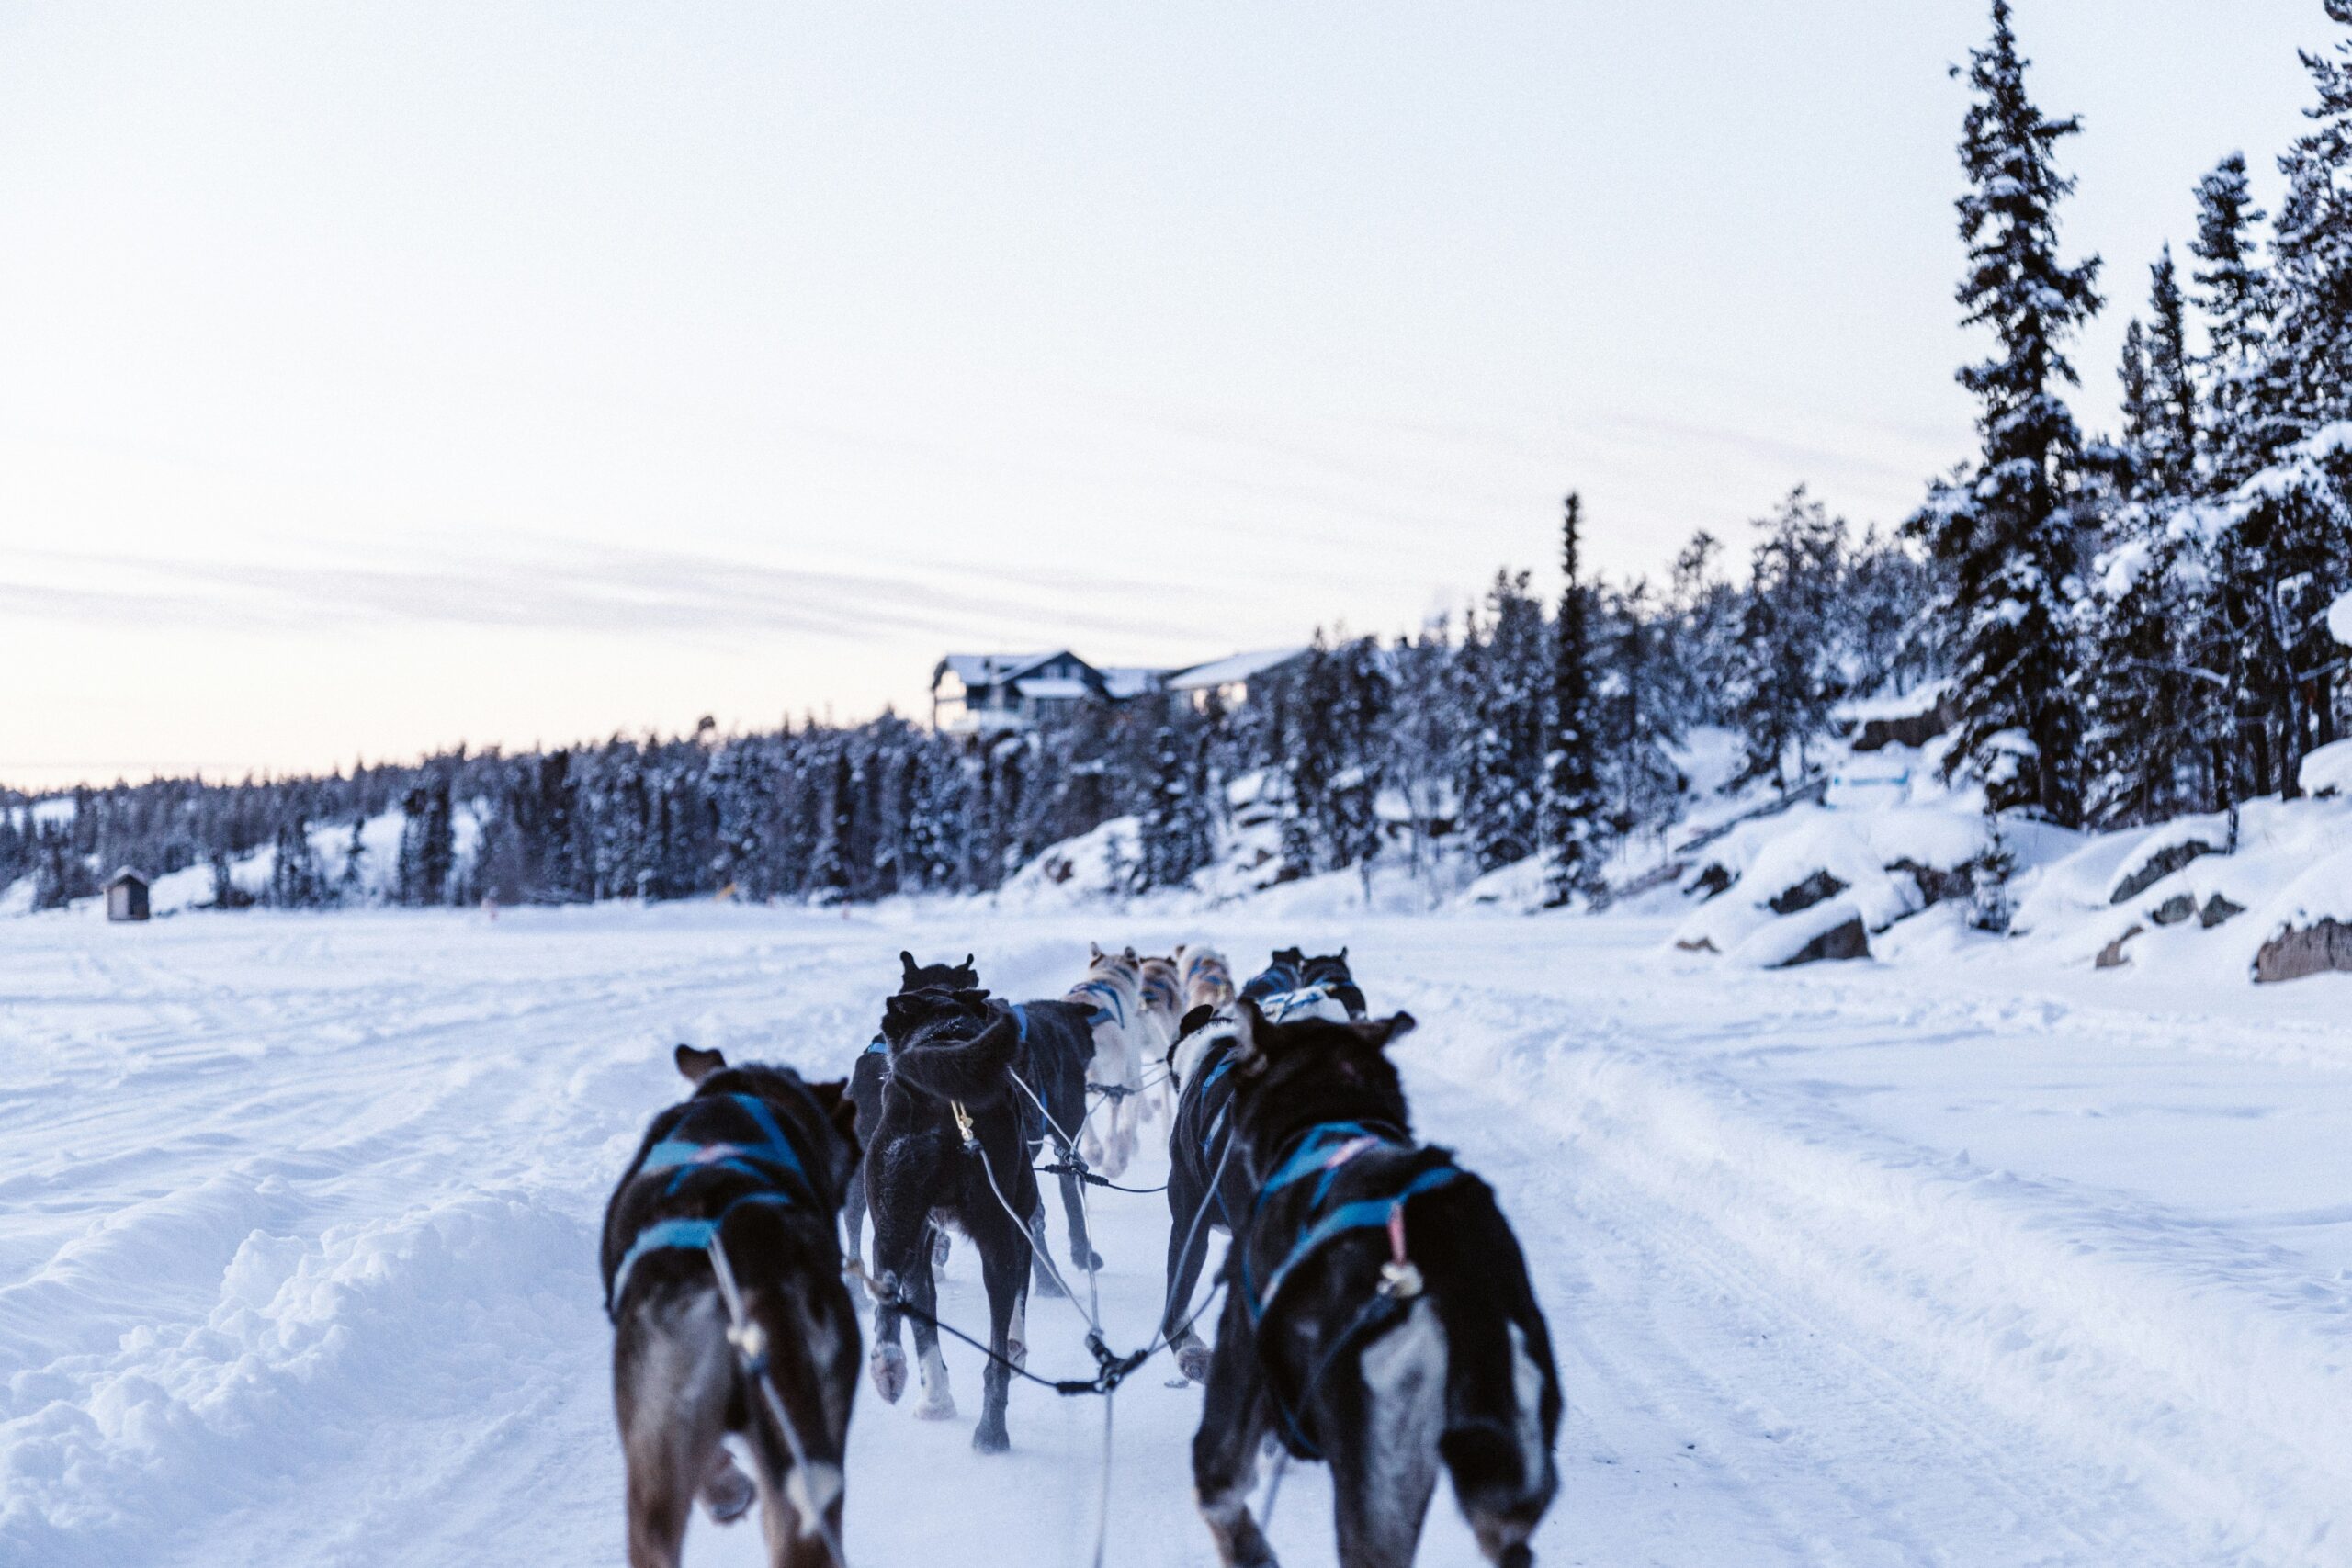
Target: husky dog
1113, 992
950, 1148
1294, 985
1378, 1312
1054, 1047
754, 1162
865, 1076
1201, 976
1163, 1008
1208, 1187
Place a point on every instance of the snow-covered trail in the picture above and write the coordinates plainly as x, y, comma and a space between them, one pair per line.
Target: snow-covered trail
297, 1256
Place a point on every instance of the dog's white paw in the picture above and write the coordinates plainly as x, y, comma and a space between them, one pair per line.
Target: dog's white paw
1193, 1360
890, 1365
727, 1493
938, 1404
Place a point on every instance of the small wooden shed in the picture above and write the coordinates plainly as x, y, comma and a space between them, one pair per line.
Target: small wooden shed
126, 895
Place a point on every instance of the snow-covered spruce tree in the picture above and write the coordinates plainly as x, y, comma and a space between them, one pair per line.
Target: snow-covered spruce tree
297, 879
1573, 833
351, 883
828, 871
2234, 296
2144, 701
428, 843
1507, 666
1309, 742
1421, 733
1634, 712
2288, 539
2008, 533
1359, 716
1789, 674
1176, 825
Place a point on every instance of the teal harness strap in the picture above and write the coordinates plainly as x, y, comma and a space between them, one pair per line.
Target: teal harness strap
693, 1236
772, 1161
880, 1047
1319, 1156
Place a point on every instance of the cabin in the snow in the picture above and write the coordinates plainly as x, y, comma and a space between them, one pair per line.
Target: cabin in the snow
126, 895
983, 695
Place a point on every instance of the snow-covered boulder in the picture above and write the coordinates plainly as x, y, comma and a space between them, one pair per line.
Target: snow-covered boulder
2327, 769
2310, 923
2166, 849
1913, 718
1828, 930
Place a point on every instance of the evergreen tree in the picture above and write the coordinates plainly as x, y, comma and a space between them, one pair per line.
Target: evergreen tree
1790, 675
2167, 438
2008, 534
1572, 807
297, 880
428, 843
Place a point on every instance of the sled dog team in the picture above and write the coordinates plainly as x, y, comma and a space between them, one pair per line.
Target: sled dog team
1376, 1312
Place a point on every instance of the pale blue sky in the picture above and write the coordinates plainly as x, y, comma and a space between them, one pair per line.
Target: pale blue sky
376, 377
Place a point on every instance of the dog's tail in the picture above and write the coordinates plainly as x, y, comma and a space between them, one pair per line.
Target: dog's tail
975, 1071
1502, 1399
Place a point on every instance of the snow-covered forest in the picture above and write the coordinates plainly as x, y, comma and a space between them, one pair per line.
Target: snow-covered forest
2129, 628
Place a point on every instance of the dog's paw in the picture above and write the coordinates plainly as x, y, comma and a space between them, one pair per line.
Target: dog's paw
938, 1404
991, 1438
727, 1493
1042, 1284
889, 1364
1090, 1260
1193, 1360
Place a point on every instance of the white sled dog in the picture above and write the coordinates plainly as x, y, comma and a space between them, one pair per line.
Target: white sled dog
1113, 991
1163, 1012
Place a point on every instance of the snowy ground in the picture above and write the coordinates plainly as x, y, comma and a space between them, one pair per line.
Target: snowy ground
1959, 1260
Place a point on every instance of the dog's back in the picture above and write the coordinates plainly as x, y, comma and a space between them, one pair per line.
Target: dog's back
753, 1166
1203, 976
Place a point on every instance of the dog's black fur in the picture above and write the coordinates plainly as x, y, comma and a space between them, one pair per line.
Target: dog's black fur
1287, 971
1331, 973
1290, 970
1053, 1048
949, 1048
1301, 1373
867, 1073
1200, 1172
676, 1383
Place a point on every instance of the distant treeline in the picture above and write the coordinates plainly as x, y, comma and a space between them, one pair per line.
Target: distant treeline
1367, 748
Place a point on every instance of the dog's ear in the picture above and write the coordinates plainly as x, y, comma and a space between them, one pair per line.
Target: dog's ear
898, 1012
976, 999
1197, 1019
1380, 1032
1131, 956
967, 966
1344, 955
1093, 950
697, 1065
834, 1099
908, 960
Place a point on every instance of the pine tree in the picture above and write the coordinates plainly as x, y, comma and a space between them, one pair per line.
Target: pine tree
1572, 807
1789, 674
2170, 436
2008, 533
297, 880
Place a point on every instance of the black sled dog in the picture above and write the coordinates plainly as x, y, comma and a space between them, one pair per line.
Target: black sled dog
1378, 1313
865, 1076
951, 1149
1292, 984
753, 1163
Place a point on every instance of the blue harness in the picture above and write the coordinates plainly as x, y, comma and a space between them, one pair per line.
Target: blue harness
772, 1159
1320, 1155
1277, 978
1116, 1013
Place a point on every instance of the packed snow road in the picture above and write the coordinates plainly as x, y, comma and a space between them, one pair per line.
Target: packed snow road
1942, 1262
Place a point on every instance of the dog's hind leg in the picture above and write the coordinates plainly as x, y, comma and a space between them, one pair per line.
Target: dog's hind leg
1384, 1415
923, 1295
854, 1227
1042, 1280
1001, 1266
1234, 1419
673, 1375
1183, 1275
